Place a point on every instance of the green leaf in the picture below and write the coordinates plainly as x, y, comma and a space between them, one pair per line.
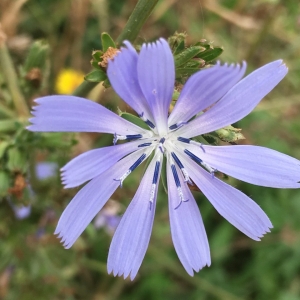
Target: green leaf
96, 76
187, 55
210, 54
107, 41
133, 119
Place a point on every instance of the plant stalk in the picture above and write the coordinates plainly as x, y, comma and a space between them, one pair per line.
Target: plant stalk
137, 19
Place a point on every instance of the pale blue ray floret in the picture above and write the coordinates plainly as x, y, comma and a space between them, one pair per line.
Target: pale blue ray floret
145, 81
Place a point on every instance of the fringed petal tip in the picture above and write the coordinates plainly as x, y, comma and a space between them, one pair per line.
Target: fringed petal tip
125, 275
259, 237
259, 232
62, 239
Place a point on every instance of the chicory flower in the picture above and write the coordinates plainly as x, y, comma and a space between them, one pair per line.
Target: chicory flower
145, 81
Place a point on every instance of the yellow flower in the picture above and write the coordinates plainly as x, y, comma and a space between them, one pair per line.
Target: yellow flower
68, 80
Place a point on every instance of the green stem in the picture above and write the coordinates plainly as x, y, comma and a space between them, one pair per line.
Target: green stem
84, 88
130, 32
12, 81
137, 19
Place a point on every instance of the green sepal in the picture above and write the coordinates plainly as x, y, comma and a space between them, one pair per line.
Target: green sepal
96, 76
230, 134
95, 65
96, 59
175, 95
195, 63
107, 41
177, 42
211, 138
4, 183
133, 119
106, 83
97, 55
186, 55
17, 162
186, 72
210, 54
179, 48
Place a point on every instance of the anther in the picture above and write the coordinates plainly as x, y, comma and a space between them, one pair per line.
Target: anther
183, 140
126, 137
183, 170
134, 166
144, 145
160, 146
193, 156
177, 125
154, 183
147, 121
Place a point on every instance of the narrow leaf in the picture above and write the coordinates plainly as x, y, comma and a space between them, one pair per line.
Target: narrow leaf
210, 54
187, 55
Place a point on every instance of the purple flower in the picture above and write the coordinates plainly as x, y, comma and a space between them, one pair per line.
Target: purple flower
145, 81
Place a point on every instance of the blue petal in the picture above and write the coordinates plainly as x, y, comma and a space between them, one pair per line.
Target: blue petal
238, 102
187, 229
132, 236
233, 205
156, 74
94, 162
203, 89
74, 114
89, 200
122, 74
253, 164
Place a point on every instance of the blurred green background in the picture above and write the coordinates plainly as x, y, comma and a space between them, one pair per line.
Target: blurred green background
33, 264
